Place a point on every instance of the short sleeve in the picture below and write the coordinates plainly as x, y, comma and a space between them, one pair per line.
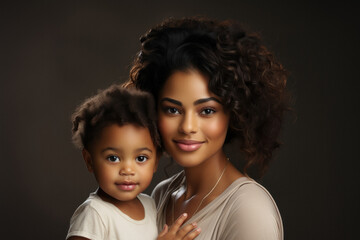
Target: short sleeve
253, 216
86, 222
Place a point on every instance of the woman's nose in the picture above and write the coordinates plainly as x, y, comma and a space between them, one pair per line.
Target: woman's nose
188, 123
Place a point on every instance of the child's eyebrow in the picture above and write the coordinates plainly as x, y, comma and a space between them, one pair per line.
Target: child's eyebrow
143, 149
118, 150
110, 148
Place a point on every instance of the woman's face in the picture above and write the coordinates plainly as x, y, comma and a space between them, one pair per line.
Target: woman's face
192, 120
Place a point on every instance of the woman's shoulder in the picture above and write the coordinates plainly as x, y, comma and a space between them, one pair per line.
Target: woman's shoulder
253, 206
167, 185
249, 194
251, 188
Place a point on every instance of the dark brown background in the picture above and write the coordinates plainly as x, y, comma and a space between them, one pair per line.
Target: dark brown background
56, 53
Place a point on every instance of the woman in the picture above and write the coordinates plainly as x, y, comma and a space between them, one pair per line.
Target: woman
214, 82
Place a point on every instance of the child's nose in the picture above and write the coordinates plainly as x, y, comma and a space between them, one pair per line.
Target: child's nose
127, 169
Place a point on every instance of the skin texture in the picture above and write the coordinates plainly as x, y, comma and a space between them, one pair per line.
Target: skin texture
193, 125
123, 161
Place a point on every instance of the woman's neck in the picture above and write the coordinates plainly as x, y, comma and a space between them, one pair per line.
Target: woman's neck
203, 184
200, 179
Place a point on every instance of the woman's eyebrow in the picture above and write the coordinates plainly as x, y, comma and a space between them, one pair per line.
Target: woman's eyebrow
172, 101
203, 100
199, 101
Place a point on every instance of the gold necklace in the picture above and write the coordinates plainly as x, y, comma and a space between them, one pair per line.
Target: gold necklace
213, 188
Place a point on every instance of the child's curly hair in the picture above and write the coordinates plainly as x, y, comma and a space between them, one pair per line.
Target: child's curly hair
240, 69
114, 105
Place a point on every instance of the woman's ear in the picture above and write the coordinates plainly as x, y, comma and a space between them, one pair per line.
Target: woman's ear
88, 160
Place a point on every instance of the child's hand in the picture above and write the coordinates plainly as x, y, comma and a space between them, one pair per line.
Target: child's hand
175, 233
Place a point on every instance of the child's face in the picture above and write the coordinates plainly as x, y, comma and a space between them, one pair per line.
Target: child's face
123, 160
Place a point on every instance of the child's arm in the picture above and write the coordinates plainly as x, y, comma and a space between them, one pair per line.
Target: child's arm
188, 232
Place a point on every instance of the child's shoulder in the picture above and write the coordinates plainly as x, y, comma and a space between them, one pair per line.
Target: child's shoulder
91, 210
90, 219
146, 200
93, 203
145, 197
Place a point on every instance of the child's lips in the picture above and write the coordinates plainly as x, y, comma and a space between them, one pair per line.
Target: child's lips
126, 186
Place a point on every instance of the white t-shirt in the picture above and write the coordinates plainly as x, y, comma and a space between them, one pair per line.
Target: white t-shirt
96, 219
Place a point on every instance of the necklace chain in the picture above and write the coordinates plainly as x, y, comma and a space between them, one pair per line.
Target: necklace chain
208, 194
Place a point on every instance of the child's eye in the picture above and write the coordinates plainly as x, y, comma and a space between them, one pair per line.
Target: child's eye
113, 158
141, 159
207, 111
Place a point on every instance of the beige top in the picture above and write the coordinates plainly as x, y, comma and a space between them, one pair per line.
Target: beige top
244, 211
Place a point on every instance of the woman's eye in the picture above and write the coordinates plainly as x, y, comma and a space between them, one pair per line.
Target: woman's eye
113, 159
172, 110
207, 111
141, 159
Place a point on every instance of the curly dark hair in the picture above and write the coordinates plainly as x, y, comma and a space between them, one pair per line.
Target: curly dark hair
240, 70
114, 105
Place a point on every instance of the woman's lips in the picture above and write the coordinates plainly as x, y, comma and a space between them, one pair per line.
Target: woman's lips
188, 145
126, 186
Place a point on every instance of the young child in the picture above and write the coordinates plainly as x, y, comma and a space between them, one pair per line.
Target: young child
116, 130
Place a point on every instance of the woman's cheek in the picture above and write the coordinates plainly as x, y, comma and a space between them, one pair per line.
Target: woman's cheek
165, 127
216, 129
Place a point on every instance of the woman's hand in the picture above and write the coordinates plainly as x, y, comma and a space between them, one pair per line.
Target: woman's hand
188, 232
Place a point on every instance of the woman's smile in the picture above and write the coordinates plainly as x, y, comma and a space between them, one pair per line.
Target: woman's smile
188, 145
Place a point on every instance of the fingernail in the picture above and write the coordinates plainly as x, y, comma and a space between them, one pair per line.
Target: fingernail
184, 214
194, 224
